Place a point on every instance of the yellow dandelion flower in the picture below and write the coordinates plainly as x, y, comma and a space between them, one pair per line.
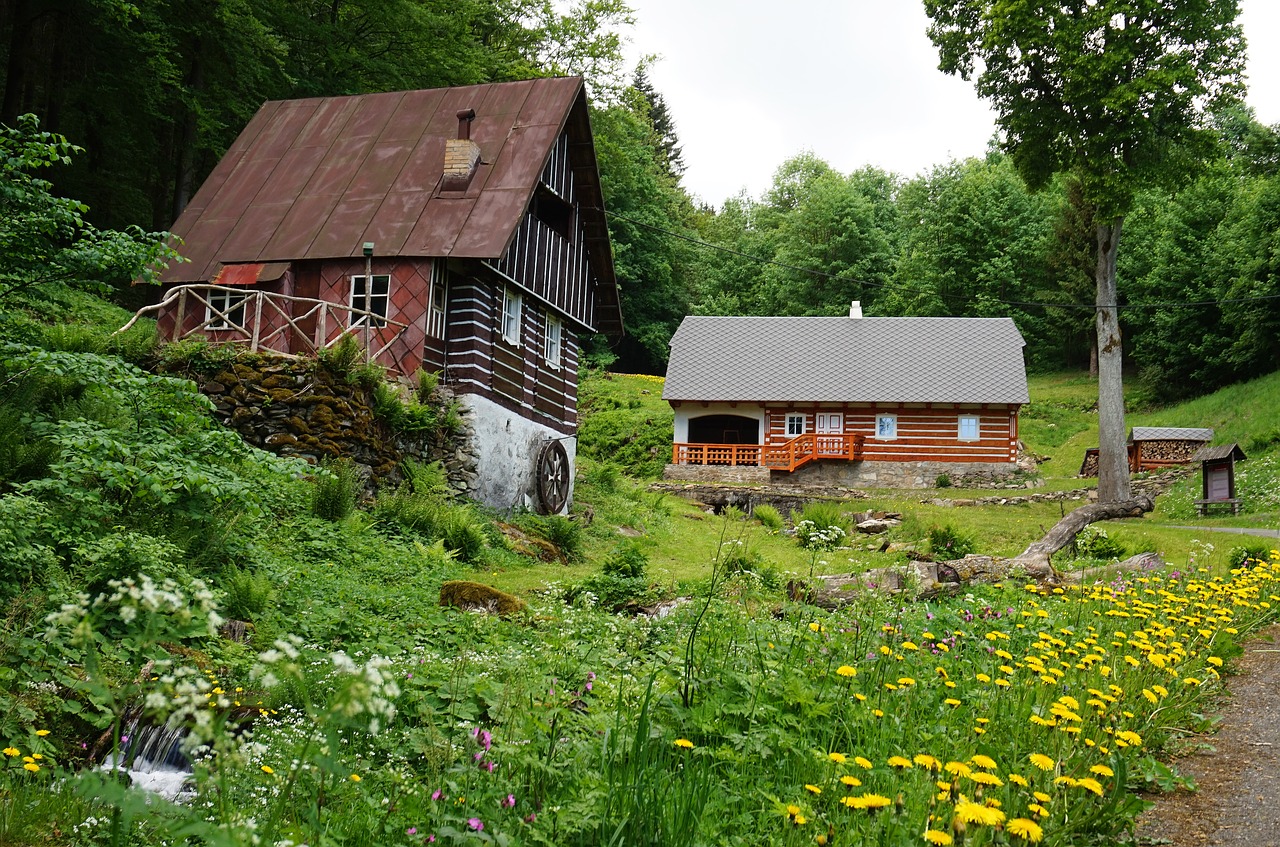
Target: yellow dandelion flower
899, 762
12, 751
983, 678
957, 769
1042, 761
42, 732
1018, 779
927, 762
813, 789
355, 777
984, 778
31, 766
909, 645
878, 712
815, 626
970, 812
267, 769
984, 762
862, 763
1025, 828
860, 697
1068, 781
838, 758
938, 837
792, 810
851, 781
1038, 809
684, 742
1215, 661
1129, 737
1090, 784
1041, 796
951, 701
846, 670
906, 680
1102, 770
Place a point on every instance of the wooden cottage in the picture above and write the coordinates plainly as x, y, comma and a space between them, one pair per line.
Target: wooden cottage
855, 401
457, 230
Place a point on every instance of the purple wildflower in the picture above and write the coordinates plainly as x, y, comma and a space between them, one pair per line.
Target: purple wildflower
476, 824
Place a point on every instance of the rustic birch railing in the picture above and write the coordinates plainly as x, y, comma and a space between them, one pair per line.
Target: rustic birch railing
784, 457
265, 304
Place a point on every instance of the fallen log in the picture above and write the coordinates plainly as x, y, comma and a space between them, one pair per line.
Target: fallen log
1035, 559
925, 580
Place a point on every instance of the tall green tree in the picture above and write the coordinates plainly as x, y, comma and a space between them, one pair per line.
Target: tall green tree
1115, 91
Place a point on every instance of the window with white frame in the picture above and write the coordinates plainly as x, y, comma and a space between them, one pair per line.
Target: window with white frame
968, 428
886, 426
551, 342
225, 310
511, 307
795, 425
373, 299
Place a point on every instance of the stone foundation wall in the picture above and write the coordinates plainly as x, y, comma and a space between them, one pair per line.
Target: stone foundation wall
743, 474
505, 447
902, 474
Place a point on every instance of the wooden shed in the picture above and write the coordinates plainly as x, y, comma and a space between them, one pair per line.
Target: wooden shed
1155, 448
1218, 473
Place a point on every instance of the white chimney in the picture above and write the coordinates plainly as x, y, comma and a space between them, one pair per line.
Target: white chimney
855, 309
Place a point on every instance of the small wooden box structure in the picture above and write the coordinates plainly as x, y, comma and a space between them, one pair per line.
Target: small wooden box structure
1218, 471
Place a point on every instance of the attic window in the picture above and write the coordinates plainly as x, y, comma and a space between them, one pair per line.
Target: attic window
553, 211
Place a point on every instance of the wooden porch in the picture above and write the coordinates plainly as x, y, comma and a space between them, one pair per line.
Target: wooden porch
795, 453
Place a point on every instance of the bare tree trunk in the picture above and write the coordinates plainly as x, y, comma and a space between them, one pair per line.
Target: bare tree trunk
1113, 458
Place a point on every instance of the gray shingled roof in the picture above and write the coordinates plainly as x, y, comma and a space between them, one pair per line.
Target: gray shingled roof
1210, 454
1170, 433
847, 360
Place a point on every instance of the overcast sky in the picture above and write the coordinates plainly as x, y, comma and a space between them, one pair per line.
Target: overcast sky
751, 83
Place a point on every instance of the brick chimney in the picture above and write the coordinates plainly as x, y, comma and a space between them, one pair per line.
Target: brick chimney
461, 155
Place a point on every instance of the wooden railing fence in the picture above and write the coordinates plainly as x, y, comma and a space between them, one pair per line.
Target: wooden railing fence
279, 312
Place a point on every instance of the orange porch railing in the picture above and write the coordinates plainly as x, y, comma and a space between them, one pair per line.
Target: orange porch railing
783, 457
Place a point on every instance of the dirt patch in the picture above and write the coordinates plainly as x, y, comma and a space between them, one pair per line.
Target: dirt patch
1236, 769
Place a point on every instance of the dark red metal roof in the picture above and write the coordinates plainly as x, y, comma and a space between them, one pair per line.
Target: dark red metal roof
317, 178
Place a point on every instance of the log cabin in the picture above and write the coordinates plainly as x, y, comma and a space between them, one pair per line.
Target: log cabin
460, 231
852, 401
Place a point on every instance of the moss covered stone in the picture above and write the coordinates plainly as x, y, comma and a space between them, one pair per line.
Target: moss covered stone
477, 597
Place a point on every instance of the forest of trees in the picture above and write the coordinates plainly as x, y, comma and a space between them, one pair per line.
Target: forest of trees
155, 90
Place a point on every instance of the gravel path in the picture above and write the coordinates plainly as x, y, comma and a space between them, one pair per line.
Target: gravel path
1236, 769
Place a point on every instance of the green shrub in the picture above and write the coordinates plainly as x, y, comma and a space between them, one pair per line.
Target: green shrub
627, 561
1094, 543
768, 517
823, 514
947, 542
1244, 557
612, 593
943, 481
458, 527
247, 595
603, 475
738, 556
564, 533
337, 490
428, 478
194, 354
340, 357
425, 383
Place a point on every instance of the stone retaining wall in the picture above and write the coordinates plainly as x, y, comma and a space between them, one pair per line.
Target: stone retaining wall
297, 407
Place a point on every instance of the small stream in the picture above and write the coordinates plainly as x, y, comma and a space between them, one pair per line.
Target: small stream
153, 758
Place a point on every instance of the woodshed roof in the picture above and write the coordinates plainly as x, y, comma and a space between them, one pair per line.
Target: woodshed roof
847, 360
1170, 433
317, 178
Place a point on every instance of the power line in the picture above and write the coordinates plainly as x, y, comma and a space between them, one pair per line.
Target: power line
1174, 304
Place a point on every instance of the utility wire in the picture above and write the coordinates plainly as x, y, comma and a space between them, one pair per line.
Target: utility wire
1176, 304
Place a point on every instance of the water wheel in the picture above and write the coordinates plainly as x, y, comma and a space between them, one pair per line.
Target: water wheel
552, 472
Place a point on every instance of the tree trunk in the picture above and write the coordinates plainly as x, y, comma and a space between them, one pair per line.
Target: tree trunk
1036, 557
1113, 458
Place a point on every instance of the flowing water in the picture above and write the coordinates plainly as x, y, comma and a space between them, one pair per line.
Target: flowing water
153, 758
